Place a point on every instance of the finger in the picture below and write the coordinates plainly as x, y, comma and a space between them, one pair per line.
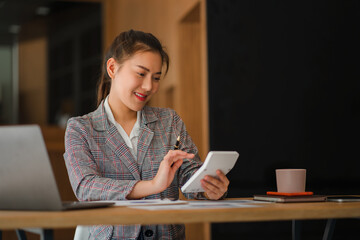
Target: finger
170, 157
216, 185
210, 186
176, 153
174, 157
206, 187
182, 157
176, 165
222, 177
214, 181
210, 191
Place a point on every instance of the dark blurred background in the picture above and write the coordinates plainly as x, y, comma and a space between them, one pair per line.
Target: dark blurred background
285, 93
63, 40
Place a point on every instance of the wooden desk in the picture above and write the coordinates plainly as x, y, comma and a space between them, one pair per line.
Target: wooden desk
123, 215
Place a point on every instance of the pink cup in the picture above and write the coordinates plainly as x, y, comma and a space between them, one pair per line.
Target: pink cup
290, 180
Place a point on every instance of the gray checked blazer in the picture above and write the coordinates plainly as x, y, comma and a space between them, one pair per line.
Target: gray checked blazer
101, 166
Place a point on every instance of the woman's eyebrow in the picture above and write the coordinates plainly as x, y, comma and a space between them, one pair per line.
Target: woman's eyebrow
146, 69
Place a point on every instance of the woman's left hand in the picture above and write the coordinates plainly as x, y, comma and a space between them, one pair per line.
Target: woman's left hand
215, 188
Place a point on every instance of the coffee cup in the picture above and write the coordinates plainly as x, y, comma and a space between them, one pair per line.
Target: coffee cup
290, 180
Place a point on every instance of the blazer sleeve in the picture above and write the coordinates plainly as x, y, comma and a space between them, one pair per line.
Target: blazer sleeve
85, 177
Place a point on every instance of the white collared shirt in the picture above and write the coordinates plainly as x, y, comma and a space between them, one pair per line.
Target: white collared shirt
132, 140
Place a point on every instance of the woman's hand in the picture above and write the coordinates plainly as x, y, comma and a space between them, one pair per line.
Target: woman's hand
168, 167
215, 188
165, 175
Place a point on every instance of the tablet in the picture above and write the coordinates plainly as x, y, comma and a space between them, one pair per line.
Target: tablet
222, 160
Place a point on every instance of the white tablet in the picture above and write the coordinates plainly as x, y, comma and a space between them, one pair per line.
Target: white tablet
222, 160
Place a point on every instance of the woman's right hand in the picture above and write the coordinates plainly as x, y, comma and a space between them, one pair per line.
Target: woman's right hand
168, 167
165, 175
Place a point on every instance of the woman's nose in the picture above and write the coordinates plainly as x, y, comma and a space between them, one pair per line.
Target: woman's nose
147, 83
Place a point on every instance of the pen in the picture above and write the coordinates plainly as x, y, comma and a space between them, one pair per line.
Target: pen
177, 144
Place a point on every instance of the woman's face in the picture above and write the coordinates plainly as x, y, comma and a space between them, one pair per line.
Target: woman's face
135, 81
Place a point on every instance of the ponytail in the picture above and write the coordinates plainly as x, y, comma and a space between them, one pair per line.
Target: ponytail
104, 84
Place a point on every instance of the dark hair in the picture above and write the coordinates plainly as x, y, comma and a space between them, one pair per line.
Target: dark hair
124, 46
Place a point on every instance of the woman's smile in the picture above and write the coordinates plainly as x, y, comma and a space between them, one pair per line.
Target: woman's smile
141, 97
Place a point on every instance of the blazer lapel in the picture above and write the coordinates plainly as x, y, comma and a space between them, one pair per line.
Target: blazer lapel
146, 134
119, 147
145, 137
115, 141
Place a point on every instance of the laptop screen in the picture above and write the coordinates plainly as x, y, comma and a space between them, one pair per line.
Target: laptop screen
26, 178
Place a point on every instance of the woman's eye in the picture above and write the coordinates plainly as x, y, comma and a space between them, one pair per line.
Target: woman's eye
157, 78
141, 74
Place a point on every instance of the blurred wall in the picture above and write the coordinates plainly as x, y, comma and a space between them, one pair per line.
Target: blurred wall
6, 101
33, 80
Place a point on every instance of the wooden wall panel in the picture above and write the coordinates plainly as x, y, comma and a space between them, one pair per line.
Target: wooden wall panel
32, 81
189, 101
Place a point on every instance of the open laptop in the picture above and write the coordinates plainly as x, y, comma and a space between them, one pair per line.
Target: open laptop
27, 181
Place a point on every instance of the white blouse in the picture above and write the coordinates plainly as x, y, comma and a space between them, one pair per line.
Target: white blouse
132, 140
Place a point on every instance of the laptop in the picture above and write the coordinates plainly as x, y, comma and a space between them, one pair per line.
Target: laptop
27, 181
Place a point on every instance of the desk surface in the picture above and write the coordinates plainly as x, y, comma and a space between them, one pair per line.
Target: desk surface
124, 215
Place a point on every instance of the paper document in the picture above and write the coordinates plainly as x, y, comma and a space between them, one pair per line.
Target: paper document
147, 202
203, 205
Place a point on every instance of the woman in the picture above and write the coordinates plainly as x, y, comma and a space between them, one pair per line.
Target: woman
123, 150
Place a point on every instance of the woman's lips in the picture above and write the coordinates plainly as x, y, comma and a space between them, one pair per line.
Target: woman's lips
140, 96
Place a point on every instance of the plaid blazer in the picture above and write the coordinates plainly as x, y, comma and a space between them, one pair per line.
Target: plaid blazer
101, 166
